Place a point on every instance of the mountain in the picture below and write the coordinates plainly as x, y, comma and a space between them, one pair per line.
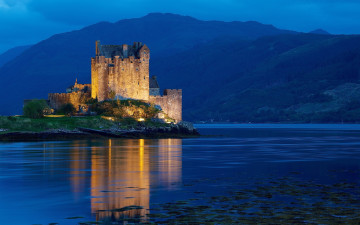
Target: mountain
303, 77
12, 54
320, 31
53, 64
229, 71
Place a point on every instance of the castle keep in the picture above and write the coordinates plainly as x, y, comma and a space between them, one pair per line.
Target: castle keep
120, 71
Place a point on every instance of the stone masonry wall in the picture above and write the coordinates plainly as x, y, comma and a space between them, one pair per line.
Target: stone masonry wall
78, 99
82, 86
127, 77
170, 102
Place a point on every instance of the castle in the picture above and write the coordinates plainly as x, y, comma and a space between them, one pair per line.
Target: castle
120, 71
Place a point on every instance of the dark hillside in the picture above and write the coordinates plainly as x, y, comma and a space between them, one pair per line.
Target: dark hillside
272, 79
229, 71
12, 54
53, 64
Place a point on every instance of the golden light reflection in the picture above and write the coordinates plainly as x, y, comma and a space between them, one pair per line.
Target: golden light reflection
119, 179
141, 154
120, 174
77, 168
109, 150
170, 163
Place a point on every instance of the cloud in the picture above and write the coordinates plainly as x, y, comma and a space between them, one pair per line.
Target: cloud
304, 15
28, 21
3, 4
21, 26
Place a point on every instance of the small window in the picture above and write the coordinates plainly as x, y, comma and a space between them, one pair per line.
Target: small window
144, 78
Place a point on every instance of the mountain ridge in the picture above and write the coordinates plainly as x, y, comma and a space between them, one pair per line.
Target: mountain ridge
52, 64
12, 53
229, 71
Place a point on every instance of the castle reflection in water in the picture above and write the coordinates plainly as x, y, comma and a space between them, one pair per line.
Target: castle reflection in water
122, 173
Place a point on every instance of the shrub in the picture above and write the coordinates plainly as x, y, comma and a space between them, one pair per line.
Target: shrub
67, 109
35, 109
125, 108
91, 101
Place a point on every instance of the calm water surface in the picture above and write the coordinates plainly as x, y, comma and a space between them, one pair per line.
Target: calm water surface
69, 182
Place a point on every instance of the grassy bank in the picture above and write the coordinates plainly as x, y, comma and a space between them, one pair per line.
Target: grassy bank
19, 123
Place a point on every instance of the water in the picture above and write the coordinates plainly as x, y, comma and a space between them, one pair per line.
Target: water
248, 170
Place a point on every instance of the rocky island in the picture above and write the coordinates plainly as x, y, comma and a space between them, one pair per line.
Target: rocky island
19, 128
122, 101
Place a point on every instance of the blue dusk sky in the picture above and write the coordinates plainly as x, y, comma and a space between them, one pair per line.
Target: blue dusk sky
24, 22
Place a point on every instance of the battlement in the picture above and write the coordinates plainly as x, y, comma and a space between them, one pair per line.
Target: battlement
79, 88
122, 51
116, 60
174, 92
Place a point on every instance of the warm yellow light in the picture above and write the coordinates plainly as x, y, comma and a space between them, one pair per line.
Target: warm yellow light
141, 119
108, 118
141, 155
54, 116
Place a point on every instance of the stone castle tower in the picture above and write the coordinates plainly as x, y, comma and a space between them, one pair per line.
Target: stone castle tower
122, 70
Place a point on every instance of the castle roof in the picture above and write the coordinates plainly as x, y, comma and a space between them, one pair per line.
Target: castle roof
153, 82
123, 51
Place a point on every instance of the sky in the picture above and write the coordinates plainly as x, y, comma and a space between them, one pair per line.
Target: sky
24, 22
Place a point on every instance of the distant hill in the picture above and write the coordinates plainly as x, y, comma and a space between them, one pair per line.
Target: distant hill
53, 64
12, 54
229, 71
294, 78
320, 31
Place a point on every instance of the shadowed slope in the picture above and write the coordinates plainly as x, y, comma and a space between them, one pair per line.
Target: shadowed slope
53, 64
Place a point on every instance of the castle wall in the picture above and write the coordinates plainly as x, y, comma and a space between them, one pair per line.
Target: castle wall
170, 103
127, 77
78, 99
81, 87
123, 70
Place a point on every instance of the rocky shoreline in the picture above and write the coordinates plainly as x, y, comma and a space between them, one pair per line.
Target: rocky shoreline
181, 130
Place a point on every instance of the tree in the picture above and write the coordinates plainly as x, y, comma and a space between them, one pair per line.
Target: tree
36, 109
67, 109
